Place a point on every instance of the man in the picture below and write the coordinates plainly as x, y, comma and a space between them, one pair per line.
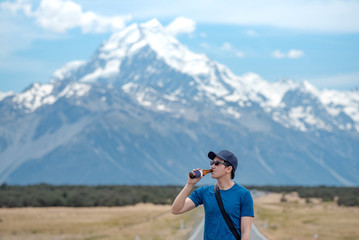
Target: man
237, 200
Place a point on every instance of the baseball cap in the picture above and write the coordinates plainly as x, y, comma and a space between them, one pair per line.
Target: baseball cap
226, 156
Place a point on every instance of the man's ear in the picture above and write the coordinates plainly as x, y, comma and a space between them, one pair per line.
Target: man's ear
229, 169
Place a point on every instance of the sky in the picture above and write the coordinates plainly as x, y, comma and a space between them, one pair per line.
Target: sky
303, 40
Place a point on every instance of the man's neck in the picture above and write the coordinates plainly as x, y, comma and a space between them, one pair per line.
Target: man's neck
224, 183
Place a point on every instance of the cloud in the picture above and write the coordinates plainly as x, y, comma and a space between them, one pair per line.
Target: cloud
205, 45
181, 25
19, 5
337, 16
293, 53
61, 16
278, 54
226, 46
239, 54
251, 33
339, 81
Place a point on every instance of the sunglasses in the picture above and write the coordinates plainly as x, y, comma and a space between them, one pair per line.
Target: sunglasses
216, 163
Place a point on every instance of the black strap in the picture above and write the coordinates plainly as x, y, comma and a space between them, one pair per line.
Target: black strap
224, 214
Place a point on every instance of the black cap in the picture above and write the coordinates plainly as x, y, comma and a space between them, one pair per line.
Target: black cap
226, 156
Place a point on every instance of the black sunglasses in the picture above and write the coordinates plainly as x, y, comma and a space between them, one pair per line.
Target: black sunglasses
216, 163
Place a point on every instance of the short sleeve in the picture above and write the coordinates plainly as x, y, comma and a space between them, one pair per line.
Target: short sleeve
197, 196
247, 205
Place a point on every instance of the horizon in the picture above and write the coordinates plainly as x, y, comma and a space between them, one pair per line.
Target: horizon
276, 41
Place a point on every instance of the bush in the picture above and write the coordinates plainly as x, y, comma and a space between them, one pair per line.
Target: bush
43, 195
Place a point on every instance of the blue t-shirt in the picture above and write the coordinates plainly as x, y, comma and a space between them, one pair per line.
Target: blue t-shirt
237, 202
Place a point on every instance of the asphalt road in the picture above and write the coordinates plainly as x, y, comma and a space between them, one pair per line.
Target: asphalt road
198, 233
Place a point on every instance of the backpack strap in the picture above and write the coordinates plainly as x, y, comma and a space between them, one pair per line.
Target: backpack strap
224, 214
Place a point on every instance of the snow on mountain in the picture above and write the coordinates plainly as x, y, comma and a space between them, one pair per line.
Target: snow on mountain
75, 90
337, 102
34, 97
251, 87
153, 34
38, 95
5, 94
66, 71
324, 109
210, 79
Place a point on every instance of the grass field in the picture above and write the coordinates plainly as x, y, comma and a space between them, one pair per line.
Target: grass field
298, 218
140, 222
294, 219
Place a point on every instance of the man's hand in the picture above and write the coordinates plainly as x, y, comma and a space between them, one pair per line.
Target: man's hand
193, 181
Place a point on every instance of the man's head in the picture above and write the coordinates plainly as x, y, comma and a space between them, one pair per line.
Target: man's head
227, 157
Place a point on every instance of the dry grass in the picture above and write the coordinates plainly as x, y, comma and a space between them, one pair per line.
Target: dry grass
143, 221
296, 219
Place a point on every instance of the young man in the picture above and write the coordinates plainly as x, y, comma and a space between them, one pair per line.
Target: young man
237, 200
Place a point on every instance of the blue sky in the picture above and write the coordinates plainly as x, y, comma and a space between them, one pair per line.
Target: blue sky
316, 41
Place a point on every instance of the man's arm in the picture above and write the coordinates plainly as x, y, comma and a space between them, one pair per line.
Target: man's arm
246, 224
183, 203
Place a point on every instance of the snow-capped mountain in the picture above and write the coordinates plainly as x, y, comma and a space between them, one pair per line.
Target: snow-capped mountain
144, 109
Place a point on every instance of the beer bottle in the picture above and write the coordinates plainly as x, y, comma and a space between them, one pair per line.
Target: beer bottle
199, 173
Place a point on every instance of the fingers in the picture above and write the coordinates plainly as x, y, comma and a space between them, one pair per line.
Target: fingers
193, 181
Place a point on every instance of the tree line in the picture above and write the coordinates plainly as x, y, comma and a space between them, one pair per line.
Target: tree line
45, 195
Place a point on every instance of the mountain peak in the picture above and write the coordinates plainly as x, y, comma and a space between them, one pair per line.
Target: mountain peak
153, 23
128, 42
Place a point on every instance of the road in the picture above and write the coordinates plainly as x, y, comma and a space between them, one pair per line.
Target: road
255, 233
198, 233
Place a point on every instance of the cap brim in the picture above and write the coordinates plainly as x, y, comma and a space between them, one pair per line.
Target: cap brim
212, 155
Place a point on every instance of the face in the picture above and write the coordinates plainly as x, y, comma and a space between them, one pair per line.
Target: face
219, 168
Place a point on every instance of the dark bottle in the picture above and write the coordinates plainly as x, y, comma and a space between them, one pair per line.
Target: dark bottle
199, 173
